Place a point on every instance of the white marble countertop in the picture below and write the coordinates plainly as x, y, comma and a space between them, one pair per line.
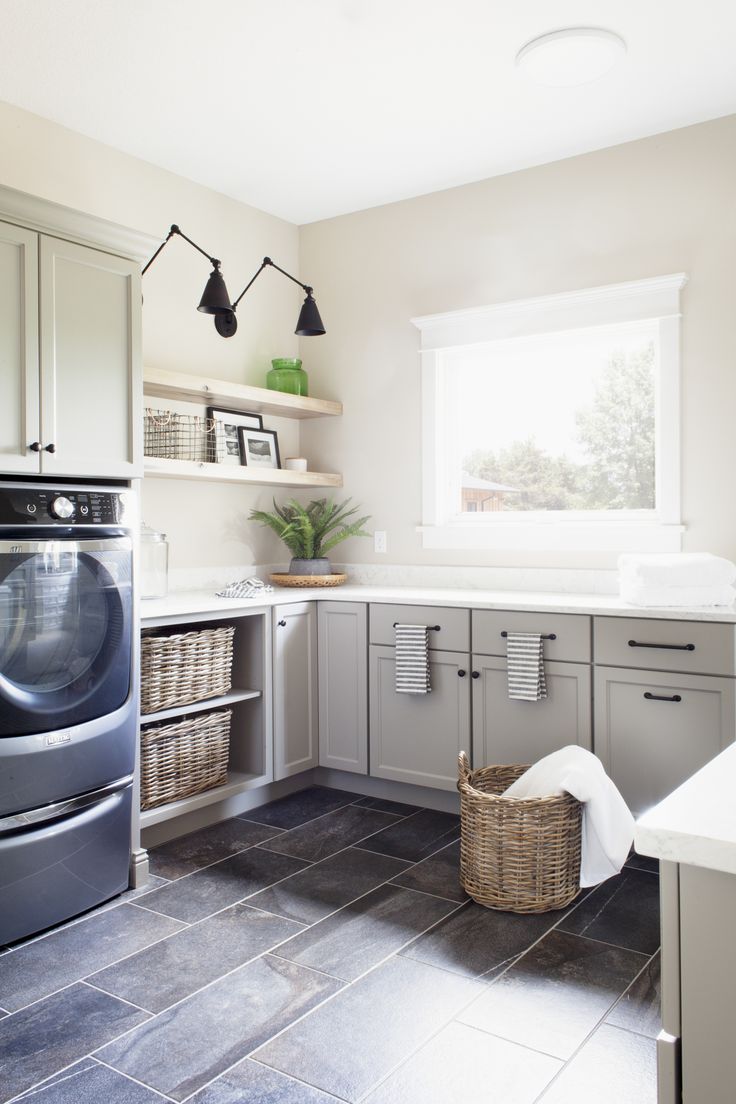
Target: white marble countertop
197, 602
696, 824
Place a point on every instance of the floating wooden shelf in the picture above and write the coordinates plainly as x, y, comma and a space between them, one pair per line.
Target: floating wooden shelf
199, 707
163, 384
226, 473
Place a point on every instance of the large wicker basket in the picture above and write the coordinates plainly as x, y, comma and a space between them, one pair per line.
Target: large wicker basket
517, 854
181, 668
184, 758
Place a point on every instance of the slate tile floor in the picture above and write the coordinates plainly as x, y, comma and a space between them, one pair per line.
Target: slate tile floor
320, 949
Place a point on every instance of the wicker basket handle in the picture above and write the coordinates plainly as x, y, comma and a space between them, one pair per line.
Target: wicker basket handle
463, 767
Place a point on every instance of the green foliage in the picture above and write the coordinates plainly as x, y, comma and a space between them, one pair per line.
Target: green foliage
617, 430
311, 531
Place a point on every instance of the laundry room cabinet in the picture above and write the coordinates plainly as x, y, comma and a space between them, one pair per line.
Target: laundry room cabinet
343, 685
295, 716
70, 340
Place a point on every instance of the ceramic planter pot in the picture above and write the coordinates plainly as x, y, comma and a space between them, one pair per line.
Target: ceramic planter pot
310, 567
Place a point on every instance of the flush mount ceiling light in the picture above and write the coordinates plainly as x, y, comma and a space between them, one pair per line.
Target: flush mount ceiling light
215, 299
575, 55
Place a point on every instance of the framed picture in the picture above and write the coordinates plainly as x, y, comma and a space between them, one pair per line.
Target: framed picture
226, 444
259, 448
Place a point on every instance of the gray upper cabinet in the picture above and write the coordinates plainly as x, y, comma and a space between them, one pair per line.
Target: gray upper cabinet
70, 359
343, 686
655, 729
295, 719
417, 737
506, 731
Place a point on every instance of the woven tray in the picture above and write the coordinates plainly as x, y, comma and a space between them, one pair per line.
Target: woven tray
184, 758
516, 854
287, 580
181, 668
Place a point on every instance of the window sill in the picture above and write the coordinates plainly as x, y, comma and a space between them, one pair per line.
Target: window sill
609, 536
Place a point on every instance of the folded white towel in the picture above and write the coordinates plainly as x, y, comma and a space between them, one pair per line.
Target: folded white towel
608, 826
697, 569
676, 595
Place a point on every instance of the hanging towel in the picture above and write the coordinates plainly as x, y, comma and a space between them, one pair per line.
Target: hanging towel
412, 659
525, 652
608, 826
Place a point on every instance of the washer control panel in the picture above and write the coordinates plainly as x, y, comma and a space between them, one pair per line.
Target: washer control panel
52, 505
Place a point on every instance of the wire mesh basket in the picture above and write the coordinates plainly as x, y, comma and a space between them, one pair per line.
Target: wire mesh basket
171, 436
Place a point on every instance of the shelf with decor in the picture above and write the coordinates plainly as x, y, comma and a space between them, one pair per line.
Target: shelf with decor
180, 386
225, 473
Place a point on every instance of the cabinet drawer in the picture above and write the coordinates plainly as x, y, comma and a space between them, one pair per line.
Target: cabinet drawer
453, 634
699, 646
571, 631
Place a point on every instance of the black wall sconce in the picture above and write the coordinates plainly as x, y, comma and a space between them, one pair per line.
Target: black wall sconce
216, 301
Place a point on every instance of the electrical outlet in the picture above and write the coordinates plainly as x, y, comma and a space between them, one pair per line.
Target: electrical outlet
379, 540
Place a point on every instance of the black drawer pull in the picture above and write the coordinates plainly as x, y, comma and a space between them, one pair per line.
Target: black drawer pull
662, 697
545, 636
670, 647
431, 628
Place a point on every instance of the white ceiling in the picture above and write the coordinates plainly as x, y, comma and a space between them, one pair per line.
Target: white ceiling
312, 108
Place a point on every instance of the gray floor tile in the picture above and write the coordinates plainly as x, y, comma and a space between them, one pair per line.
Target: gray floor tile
36, 969
462, 1064
42, 1040
184, 1048
365, 932
555, 994
398, 808
298, 808
132, 894
417, 836
173, 969
189, 853
331, 833
318, 890
643, 862
439, 874
614, 1067
216, 887
624, 911
91, 1084
251, 1083
639, 1007
353, 1041
70, 1071
478, 940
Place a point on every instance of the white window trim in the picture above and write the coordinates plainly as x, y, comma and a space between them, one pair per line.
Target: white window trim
639, 300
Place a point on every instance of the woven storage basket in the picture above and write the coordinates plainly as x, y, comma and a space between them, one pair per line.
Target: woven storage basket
181, 668
517, 854
184, 758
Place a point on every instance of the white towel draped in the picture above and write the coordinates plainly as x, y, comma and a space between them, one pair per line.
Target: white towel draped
608, 826
525, 666
412, 659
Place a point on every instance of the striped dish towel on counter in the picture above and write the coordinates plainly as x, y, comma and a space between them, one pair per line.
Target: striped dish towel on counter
525, 652
412, 659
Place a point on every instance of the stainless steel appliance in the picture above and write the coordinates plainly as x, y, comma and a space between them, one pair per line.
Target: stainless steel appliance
67, 701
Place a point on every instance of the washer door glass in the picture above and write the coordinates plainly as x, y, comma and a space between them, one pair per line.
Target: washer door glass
65, 612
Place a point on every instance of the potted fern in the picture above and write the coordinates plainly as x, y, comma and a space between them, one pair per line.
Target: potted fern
309, 532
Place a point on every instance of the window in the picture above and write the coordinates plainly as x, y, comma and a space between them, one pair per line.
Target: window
555, 422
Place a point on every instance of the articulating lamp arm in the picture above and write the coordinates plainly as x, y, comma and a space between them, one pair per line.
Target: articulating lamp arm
175, 230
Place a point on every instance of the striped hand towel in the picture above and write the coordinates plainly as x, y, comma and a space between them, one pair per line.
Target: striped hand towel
525, 652
412, 659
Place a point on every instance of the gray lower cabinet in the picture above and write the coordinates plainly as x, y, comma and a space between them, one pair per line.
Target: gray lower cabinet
416, 738
506, 731
295, 719
343, 686
654, 729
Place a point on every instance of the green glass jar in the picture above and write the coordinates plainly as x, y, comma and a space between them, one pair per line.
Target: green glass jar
288, 375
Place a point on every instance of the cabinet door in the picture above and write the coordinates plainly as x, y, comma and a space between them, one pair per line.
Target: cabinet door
91, 380
19, 418
295, 733
417, 737
343, 686
506, 731
653, 730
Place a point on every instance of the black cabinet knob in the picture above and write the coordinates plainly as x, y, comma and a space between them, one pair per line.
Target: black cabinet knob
49, 448
282, 624
35, 446
461, 673
476, 674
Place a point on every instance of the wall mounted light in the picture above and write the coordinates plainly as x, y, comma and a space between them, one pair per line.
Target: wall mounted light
216, 301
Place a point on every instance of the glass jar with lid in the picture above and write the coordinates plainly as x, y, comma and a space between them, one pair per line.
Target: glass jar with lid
154, 563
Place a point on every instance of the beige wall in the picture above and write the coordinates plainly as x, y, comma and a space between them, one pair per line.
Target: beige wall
206, 522
661, 205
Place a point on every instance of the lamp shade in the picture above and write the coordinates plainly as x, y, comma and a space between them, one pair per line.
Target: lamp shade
215, 298
309, 323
